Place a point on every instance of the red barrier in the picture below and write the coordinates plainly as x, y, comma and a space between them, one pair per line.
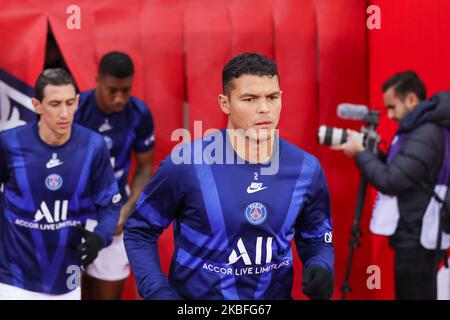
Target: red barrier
23, 33
250, 31
161, 23
77, 45
343, 75
208, 48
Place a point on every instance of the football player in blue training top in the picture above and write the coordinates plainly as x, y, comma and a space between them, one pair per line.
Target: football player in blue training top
237, 198
56, 175
126, 124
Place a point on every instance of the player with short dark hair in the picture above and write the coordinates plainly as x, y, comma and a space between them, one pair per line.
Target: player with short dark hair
56, 176
252, 64
236, 199
116, 64
126, 124
55, 77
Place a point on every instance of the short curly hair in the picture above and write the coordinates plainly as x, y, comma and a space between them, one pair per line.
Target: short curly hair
250, 63
117, 64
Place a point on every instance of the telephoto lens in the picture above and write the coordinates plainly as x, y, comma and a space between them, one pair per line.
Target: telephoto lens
330, 136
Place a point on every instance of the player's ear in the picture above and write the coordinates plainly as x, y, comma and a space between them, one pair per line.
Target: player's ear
37, 105
411, 101
77, 100
224, 103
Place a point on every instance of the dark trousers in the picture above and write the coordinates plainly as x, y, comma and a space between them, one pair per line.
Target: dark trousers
416, 273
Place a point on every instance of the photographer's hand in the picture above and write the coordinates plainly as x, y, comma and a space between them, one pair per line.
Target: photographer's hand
353, 146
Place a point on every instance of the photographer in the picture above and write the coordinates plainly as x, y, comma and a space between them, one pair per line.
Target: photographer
415, 164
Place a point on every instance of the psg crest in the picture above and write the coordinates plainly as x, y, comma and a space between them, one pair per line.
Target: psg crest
256, 213
53, 182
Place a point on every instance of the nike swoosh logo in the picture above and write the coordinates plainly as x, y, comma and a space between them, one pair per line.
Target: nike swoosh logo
250, 190
53, 164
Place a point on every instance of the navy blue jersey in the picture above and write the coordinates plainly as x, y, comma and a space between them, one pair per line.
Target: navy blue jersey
130, 129
233, 226
48, 190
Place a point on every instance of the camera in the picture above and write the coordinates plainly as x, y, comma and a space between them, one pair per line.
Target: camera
330, 136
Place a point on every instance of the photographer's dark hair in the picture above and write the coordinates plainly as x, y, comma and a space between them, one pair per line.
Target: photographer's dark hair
55, 77
404, 83
247, 63
116, 64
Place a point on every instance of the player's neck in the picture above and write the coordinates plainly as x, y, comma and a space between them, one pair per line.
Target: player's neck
251, 150
50, 137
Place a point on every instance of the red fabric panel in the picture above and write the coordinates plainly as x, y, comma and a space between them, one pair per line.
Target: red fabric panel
208, 48
343, 78
23, 31
161, 25
77, 45
383, 257
130, 290
413, 40
295, 53
250, 31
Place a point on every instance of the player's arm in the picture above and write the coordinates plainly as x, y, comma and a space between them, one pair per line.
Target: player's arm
143, 173
154, 212
106, 195
313, 238
143, 148
421, 152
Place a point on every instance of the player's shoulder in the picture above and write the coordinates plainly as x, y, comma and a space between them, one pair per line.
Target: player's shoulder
173, 171
7, 134
85, 104
300, 160
87, 136
182, 158
294, 152
86, 95
138, 106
